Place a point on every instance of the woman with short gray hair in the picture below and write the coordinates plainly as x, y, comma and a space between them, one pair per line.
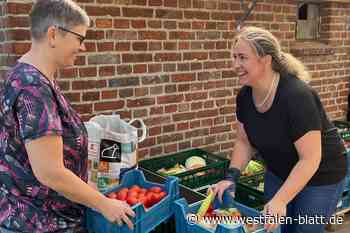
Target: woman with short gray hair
43, 141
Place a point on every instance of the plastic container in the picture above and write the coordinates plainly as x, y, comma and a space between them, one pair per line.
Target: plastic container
191, 196
213, 172
183, 226
246, 196
343, 129
145, 220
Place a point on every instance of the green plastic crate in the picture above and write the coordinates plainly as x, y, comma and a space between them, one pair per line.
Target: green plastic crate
343, 129
213, 172
255, 181
246, 196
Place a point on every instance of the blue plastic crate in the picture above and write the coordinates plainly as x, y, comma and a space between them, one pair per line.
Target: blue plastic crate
344, 201
183, 226
347, 178
144, 221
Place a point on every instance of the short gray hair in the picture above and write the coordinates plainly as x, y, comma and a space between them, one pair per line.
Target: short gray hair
63, 13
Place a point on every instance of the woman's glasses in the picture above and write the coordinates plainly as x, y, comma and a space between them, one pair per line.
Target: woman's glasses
80, 37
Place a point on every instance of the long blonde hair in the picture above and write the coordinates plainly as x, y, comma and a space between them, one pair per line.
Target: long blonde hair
264, 43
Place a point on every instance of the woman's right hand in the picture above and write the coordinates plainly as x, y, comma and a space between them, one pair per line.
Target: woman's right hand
220, 187
117, 212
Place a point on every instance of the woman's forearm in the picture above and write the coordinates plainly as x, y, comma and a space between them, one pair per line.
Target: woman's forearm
241, 155
297, 179
73, 188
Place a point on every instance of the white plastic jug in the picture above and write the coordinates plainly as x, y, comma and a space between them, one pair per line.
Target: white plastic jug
112, 148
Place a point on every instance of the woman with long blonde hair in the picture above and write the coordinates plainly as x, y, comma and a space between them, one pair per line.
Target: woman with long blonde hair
281, 117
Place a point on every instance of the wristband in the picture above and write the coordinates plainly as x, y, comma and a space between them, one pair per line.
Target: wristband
232, 174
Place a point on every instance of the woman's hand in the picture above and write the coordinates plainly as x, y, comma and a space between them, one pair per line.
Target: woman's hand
274, 208
221, 186
117, 212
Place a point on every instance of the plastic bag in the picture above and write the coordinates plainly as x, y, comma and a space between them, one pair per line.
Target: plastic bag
112, 148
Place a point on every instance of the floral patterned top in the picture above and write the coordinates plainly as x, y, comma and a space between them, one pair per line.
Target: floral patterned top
31, 107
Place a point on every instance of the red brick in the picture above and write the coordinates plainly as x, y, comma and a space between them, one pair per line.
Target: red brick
121, 23
139, 2
187, 77
156, 151
167, 57
82, 108
17, 21
21, 48
152, 35
109, 94
91, 96
18, 8
137, 12
112, 105
140, 68
142, 91
105, 46
136, 58
140, 102
88, 72
106, 71
154, 68
170, 148
170, 99
95, 35
122, 46
138, 23
148, 142
154, 24
73, 97
124, 69
170, 25
139, 46
18, 34
169, 14
155, 2
102, 11
104, 23
69, 73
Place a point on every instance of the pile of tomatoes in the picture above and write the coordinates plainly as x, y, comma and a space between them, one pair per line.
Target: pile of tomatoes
136, 194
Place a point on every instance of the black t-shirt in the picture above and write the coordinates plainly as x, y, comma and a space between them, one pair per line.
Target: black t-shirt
296, 110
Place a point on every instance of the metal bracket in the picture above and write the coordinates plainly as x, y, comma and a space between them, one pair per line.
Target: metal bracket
247, 11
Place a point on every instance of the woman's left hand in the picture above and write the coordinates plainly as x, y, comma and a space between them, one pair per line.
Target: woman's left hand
274, 209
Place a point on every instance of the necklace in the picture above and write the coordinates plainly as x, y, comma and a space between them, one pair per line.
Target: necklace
268, 93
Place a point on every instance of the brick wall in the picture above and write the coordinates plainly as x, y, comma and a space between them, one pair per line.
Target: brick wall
168, 62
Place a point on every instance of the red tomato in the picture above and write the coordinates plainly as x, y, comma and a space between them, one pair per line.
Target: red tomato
122, 195
162, 194
112, 195
155, 189
149, 199
133, 193
143, 200
132, 200
135, 188
142, 190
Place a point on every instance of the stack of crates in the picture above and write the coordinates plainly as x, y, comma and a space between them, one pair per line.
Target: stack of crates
211, 173
145, 220
343, 128
344, 201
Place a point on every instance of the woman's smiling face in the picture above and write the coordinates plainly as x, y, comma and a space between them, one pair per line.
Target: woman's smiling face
247, 65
